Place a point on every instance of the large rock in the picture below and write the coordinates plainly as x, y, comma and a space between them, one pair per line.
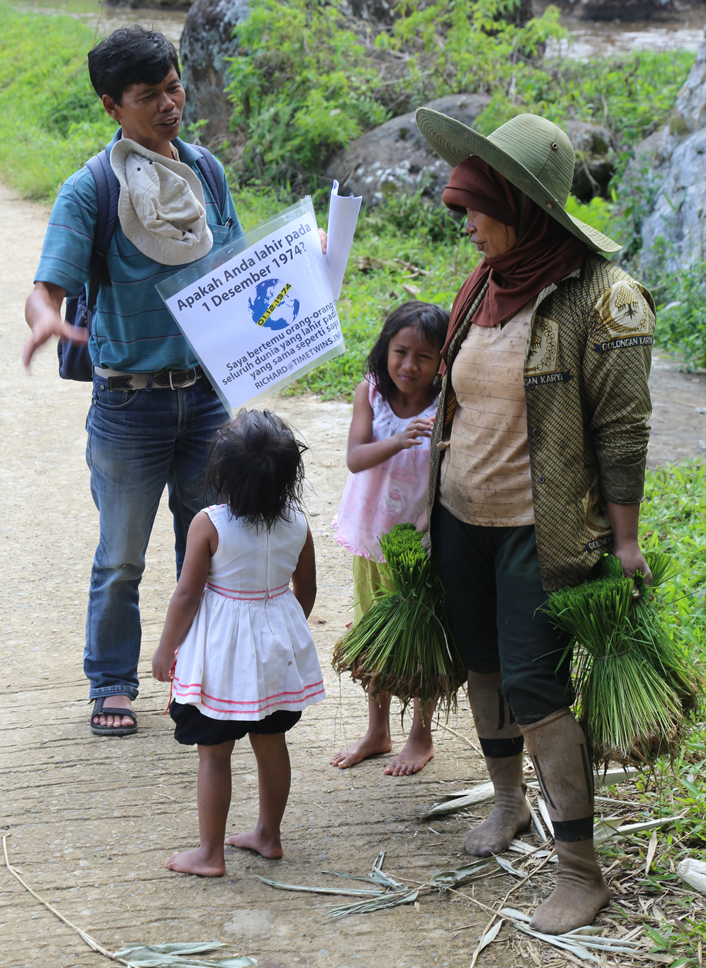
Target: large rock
209, 38
678, 176
396, 157
595, 158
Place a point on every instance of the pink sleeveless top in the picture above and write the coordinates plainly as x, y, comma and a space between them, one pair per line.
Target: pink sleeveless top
392, 493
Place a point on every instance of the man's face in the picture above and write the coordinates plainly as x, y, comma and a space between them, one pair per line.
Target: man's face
150, 114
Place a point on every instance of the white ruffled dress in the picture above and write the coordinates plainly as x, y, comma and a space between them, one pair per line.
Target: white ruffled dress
249, 651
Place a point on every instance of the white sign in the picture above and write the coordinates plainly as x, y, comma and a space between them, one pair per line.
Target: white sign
260, 312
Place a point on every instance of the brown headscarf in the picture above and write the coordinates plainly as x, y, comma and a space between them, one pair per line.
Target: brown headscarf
545, 250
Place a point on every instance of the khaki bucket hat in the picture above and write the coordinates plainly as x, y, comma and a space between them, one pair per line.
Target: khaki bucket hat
534, 154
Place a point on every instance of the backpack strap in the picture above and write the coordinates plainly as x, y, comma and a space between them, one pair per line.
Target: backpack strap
107, 196
208, 166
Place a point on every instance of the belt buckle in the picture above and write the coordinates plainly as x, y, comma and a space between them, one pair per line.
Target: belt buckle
182, 386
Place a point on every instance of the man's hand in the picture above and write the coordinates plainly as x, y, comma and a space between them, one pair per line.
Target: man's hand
324, 240
43, 315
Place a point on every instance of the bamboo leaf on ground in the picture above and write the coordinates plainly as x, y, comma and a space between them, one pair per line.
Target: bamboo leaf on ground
651, 850
347, 892
487, 938
480, 794
365, 907
459, 876
176, 956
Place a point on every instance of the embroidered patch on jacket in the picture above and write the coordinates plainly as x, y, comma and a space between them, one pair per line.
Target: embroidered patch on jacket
624, 312
595, 512
543, 347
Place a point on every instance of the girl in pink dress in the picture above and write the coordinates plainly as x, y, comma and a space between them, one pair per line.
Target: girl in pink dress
388, 457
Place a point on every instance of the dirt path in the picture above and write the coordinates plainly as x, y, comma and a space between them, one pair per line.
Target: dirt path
91, 820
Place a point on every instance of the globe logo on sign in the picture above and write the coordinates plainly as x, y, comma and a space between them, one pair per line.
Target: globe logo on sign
272, 305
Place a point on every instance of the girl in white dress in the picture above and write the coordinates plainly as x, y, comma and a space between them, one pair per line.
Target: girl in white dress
246, 662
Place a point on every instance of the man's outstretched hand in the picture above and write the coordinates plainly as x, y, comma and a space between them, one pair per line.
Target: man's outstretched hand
43, 315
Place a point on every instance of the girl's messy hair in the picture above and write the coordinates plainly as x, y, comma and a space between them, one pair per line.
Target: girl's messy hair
432, 322
255, 466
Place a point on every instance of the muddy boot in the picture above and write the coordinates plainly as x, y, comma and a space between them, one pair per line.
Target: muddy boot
558, 749
502, 743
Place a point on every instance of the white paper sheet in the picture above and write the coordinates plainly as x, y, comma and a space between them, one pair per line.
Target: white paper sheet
259, 313
342, 220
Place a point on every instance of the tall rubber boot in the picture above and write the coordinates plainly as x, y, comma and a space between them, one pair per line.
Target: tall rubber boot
502, 744
559, 752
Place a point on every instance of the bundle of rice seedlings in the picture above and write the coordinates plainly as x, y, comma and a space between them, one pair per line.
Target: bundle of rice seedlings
661, 649
633, 682
404, 644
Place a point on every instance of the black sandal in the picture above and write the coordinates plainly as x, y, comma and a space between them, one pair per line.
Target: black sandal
100, 709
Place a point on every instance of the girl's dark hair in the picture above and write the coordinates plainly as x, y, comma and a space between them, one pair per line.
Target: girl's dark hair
255, 466
130, 55
432, 322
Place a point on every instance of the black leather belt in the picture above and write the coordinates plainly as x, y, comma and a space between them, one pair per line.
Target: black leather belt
162, 380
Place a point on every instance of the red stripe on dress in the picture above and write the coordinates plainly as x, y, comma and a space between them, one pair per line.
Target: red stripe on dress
183, 687
292, 702
245, 596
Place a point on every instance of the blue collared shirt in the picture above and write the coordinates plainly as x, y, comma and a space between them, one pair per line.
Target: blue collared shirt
133, 330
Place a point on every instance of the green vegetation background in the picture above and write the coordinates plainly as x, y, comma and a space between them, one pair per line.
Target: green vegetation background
51, 121
310, 86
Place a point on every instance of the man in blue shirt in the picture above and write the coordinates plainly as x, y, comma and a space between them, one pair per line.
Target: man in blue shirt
153, 412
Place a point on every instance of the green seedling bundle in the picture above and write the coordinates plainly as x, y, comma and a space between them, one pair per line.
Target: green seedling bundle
404, 644
635, 686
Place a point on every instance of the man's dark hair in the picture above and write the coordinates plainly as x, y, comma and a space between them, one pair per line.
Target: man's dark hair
255, 466
432, 322
131, 55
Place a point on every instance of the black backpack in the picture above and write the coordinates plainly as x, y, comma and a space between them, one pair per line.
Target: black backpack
74, 358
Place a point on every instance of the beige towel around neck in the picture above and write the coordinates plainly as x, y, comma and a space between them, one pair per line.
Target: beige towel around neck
162, 208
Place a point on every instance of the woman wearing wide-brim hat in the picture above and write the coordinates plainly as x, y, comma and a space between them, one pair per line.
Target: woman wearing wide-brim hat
537, 469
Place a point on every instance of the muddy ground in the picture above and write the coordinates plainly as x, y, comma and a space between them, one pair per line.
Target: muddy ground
90, 820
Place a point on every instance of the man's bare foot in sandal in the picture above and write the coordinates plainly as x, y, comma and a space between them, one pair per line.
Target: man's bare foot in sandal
104, 722
262, 841
197, 861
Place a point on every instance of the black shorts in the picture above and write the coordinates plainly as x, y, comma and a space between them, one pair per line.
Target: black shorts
193, 728
494, 596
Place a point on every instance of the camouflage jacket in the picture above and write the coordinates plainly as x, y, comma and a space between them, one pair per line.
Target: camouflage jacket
586, 369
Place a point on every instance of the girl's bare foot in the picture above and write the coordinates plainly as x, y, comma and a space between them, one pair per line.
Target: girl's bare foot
267, 845
369, 745
417, 752
197, 861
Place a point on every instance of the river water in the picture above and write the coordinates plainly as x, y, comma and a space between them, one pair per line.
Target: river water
586, 39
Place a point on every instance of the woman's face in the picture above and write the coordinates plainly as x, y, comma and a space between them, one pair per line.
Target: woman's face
490, 236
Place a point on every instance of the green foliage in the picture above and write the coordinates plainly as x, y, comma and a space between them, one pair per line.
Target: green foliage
598, 213
311, 82
303, 91
681, 306
631, 95
50, 118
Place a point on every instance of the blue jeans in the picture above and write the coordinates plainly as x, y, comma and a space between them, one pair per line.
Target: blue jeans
138, 442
